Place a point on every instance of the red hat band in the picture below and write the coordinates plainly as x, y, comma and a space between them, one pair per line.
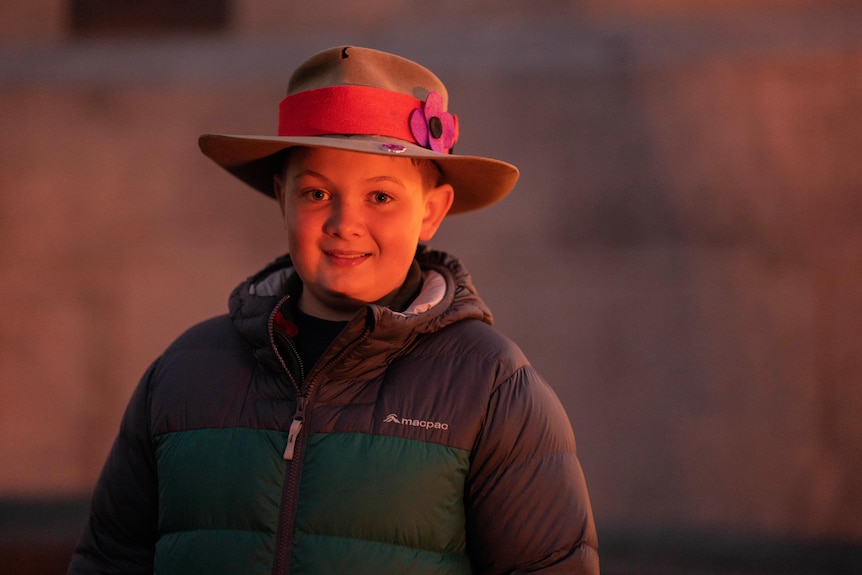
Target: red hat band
362, 110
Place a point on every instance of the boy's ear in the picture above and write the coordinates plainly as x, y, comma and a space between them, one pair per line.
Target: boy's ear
437, 203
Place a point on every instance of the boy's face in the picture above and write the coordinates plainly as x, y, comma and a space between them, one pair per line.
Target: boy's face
353, 222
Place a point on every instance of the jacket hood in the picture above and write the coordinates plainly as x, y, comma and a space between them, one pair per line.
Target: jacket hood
253, 304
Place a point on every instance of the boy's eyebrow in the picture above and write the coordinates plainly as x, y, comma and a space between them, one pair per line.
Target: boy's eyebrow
392, 179
311, 173
373, 180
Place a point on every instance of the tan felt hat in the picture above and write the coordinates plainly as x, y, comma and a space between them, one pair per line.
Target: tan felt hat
364, 100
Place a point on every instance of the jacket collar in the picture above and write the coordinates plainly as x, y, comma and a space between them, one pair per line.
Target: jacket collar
447, 296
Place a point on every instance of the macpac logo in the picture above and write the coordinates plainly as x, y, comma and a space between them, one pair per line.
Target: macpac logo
393, 418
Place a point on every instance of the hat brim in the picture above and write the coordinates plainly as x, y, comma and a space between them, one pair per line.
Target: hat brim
477, 181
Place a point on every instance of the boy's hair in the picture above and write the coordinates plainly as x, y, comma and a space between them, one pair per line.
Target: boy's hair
431, 174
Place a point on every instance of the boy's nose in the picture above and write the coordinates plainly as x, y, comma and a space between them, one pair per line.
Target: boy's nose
345, 221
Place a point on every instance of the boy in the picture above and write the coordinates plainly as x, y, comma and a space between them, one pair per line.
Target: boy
355, 412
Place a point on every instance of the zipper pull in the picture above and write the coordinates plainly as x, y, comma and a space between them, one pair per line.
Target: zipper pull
295, 428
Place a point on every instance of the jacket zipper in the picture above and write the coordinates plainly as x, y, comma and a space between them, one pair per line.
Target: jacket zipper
284, 533
295, 444
295, 428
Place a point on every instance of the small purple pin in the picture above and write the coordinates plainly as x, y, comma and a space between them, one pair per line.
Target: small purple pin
393, 148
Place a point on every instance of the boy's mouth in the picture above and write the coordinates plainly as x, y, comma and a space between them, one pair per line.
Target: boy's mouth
346, 257
347, 254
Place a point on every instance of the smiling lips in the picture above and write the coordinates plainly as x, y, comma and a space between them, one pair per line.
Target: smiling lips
346, 258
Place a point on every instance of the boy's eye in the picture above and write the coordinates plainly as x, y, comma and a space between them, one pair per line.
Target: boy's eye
315, 195
381, 198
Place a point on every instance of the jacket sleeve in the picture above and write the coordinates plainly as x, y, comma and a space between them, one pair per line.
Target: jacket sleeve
121, 530
528, 510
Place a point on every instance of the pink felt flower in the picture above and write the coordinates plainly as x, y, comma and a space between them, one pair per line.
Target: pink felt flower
432, 127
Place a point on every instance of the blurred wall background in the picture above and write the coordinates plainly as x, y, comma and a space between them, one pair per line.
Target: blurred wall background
681, 258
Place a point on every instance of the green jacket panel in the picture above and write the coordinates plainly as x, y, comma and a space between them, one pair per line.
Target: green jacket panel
360, 493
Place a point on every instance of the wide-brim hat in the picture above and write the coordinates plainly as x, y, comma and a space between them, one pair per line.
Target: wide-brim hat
365, 100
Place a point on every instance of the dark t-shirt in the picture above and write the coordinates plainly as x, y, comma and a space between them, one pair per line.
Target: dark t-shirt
314, 335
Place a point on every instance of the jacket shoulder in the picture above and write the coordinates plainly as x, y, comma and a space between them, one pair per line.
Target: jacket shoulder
204, 378
216, 332
478, 341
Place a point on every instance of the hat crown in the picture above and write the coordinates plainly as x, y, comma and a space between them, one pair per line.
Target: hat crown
355, 66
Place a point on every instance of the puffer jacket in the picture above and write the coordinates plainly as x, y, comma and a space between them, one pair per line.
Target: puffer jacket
421, 442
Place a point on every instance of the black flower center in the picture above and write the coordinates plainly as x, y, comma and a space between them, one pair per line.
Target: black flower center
435, 126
